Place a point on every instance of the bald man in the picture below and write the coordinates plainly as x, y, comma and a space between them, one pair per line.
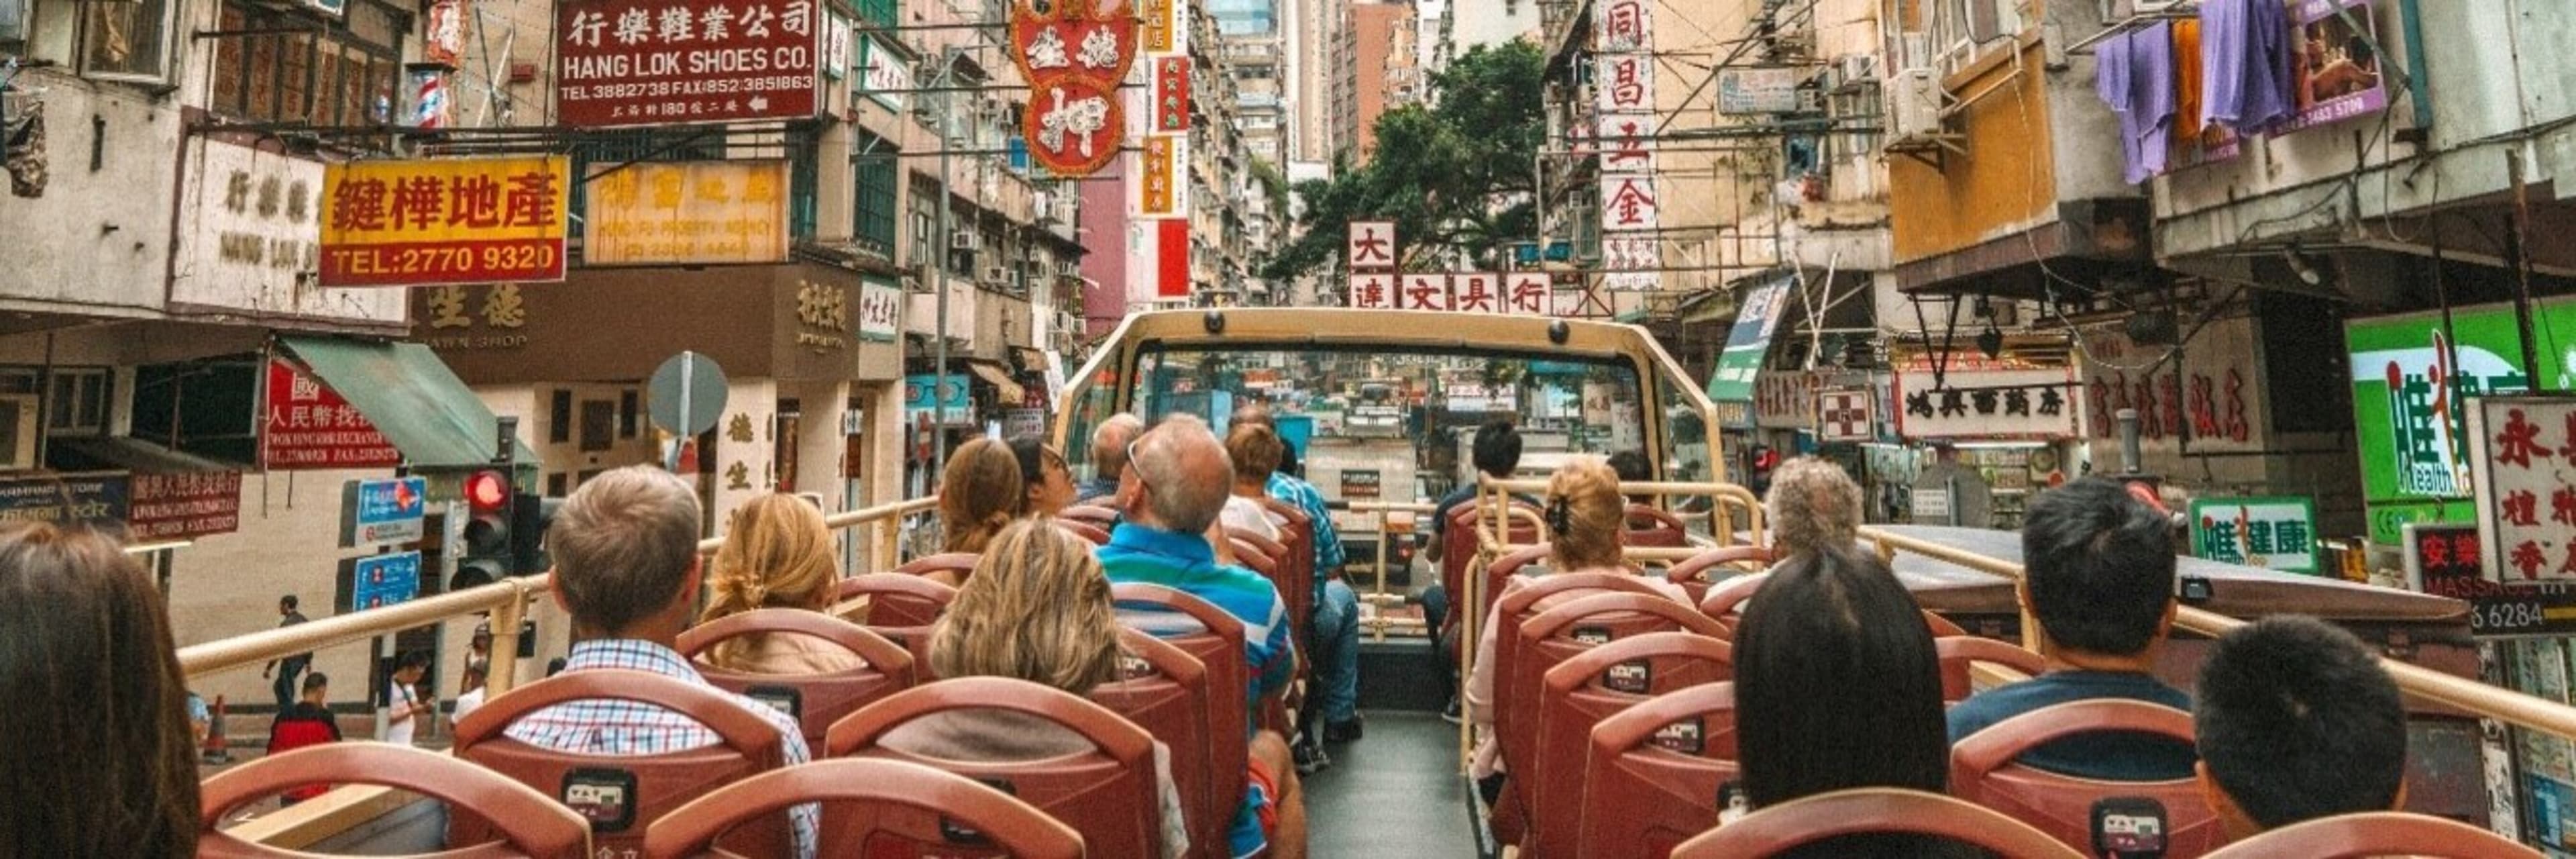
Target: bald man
1168, 496
1108, 456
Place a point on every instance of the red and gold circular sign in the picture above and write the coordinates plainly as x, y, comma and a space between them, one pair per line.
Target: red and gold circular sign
1073, 125
1090, 39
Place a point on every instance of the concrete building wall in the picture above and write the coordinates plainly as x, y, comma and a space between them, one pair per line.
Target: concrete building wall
1376, 55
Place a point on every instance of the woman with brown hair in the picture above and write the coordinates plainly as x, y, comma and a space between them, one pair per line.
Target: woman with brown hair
777, 554
979, 494
100, 763
1254, 450
1587, 520
1036, 609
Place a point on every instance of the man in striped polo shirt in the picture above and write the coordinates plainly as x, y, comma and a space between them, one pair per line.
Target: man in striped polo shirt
1175, 483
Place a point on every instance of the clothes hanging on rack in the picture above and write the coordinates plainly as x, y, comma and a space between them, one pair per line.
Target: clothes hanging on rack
2245, 64
2134, 74
2187, 91
25, 148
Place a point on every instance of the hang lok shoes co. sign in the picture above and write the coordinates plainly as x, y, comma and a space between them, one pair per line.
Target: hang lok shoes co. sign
636, 62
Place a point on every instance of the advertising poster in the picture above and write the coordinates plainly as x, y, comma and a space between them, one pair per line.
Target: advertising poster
2277, 534
689, 213
168, 507
306, 425
2410, 394
443, 221
632, 62
2335, 72
1748, 341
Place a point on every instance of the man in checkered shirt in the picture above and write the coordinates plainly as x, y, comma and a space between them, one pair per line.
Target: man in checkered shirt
625, 550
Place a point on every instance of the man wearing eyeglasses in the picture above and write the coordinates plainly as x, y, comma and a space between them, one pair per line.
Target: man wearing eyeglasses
1175, 484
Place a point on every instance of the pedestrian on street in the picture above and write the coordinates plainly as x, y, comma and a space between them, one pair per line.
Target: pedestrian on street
403, 703
308, 723
286, 669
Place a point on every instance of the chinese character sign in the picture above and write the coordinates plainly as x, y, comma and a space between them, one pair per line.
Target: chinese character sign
2409, 401
1527, 293
1055, 39
1073, 124
884, 75
1372, 245
1624, 25
1423, 292
2523, 455
1171, 94
1373, 291
880, 310
1969, 403
695, 212
640, 62
1628, 203
465, 220
1158, 185
1474, 292
183, 506
306, 425
2277, 534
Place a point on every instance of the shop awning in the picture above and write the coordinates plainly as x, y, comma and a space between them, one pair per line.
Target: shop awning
411, 397
1002, 383
1749, 340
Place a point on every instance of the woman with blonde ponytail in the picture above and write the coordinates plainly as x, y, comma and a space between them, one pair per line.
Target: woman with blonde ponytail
777, 554
979, 494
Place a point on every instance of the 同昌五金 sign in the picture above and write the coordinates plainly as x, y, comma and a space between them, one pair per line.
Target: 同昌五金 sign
98, 499
460, 220
634, 62
306, 425
2277, 534
2410, 396
696, 212
186, 506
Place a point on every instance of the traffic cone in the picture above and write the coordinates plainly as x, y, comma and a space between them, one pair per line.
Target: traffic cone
218, 748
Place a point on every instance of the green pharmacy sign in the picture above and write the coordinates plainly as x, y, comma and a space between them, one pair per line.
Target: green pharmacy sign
2411, 384
2277, 534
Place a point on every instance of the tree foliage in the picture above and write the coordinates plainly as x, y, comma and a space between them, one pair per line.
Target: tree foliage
1455, 175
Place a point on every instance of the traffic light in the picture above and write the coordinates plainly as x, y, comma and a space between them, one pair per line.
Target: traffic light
1758, 474
488, 529
530, 516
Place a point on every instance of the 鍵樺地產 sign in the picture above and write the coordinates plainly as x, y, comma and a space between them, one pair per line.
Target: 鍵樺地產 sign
2278, 534
462, 220
184, 506
631, 62
306, 425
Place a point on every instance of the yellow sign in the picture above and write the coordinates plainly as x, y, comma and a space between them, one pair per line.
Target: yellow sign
689, 212
460, 220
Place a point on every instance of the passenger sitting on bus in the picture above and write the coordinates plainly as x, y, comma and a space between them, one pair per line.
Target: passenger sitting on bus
2297, 721
1589, 519
1335, 636
1044, 472
1170, 496
979, 493
1254, 451
1632, 468
777, 554
1837, 687
1036, 609
99, 762
1497, 455
626, 567
1813, 506
308, 723
1109, 443
2099, 577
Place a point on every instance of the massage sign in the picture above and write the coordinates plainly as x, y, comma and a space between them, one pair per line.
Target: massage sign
2523, 462
667, 62
1074, 53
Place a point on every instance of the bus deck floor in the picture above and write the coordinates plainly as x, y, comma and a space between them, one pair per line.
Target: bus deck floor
1396, 792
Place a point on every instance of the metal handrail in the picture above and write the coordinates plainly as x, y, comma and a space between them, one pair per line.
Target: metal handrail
2525, 711
1378, 622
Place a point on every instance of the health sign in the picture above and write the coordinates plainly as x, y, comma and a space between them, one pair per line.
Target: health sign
640, 62
2412, 379
459, 220
2278, 534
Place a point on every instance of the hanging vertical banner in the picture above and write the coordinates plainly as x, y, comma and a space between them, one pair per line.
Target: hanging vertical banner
1525, 293
837, 33
1158, 185
1155, 21
1173, 253
1623, 25
1171, 94
1372, 291
1424, 292
2522, 459
1073, 125
1624, 121
1371, 245
1056, 39
1474, 292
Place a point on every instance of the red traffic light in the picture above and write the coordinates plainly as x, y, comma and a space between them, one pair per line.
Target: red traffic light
486, 491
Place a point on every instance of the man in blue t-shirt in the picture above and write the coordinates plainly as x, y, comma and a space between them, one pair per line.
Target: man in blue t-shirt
2098, 574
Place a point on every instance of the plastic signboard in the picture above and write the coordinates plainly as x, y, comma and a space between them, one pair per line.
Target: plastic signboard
384, 580
2274, 533
2411, 382
375, 512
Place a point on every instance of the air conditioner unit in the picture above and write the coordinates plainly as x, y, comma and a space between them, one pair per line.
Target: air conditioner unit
997, 274
965, 240
1855, 69
1068, 268
1917, 98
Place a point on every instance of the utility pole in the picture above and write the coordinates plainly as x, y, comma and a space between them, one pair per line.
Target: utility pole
939, 268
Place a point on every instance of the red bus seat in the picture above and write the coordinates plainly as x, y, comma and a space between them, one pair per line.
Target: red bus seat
1651, 772
1110, 795
1520, 605
1982, 771
1458, 547
1692, 572
623, 794
1297, 569
1789, 825
1093, 534
1651, 526
1164, 690
1958, 651
2380, 833
1726, 597
875, 809
1218, 646
902, 608
526, 823
1560, 633
1586, 688
960, 563
814, 700
1093, 515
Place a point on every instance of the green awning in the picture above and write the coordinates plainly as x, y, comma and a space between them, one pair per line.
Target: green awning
411, 397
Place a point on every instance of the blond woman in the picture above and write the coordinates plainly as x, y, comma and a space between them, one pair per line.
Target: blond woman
777, 554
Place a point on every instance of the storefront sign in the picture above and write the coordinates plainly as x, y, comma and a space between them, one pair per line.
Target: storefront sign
466, 317
1749, 340
1073, 125
247, 238
1969, 403
690, 213
308, 426
98, 499
1056, 39
1358, 483
1171, 95
1624, 25
885, 74
1844, 415
2337, 68
2523, 465
448, 220
1423, 292
169, 507
880, 310
383, 511
636, 62
1372, 291
2446, 561
2410, 395
1785, 399
1475, 292
1159, 188
2277, 534
1023, 422
1371, 245
822, 316
1758, 90
2215, 401
944, 399
836, 45
383, 580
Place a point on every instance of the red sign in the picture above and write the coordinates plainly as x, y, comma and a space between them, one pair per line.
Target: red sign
1073, 126
169, 507
1172, 94
1173, 253
308, 426
630, 62
1056, 39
